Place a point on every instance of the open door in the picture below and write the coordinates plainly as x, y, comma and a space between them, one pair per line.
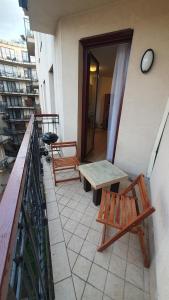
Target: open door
92, 85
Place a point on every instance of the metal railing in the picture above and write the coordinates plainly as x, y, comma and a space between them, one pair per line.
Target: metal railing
17, 59
26, 91
18, 76
25, 269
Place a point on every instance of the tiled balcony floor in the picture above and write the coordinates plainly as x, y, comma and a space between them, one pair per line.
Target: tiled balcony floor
79, 271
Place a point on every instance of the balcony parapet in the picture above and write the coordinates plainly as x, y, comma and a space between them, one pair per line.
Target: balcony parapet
24, 241
17, 61
17, 77
16, 92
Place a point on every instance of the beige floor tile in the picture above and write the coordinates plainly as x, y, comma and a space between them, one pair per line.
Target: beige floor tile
135, 275
97, 277
120, 249
67, 212
114, 287
79, 285
88, 250
64, 290
81, 231
60, 263
93, 236
52, 211
76, 216
103, 258
72, 257
67, 236
91, 293
132, 293
55, 231
70, 225
82, 267
75, 243
117, 266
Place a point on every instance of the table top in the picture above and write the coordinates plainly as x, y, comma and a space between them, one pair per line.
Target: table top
102, 173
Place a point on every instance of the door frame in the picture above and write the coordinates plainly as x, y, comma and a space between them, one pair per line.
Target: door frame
87, 97
111, 38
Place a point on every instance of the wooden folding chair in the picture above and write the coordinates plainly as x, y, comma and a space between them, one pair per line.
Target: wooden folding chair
125, 211
64, 162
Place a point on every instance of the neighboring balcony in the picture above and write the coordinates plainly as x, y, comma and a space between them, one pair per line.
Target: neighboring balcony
9, 131
29, 37
25, 269
18, 61
17, 77
28, 91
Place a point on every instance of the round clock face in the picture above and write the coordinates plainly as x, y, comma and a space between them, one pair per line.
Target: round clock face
147, 60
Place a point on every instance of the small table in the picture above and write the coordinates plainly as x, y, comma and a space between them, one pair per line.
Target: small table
101, 174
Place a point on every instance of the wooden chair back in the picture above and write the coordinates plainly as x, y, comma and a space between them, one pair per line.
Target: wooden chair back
137, 189
55, 147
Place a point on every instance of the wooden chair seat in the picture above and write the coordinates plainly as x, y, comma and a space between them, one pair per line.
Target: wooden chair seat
126, 211
117, 210
65, 162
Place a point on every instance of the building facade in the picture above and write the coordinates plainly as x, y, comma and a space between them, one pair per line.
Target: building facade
19, 94
66, 30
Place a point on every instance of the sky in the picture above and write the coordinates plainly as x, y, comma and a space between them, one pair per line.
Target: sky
11, 20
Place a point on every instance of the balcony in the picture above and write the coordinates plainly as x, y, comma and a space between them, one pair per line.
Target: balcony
28, 91
17, 77
29, 37
25, 269
9, 131
79, 271
17, 61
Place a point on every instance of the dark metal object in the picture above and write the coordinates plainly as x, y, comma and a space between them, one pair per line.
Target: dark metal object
49, 138
86, 185
97, 194
115, 187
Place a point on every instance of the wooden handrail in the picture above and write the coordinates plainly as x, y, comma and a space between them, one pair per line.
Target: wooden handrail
10, 206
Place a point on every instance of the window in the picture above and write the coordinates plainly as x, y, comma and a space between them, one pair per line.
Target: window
7, 53
1, 86
25, 57
11, 86
27, 73
2, 69
9, 70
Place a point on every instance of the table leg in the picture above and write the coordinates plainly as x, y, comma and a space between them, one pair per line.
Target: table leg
115, 187
97, 196
86, 185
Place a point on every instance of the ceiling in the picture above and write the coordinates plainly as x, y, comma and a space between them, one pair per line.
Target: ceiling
44, 14
106, 58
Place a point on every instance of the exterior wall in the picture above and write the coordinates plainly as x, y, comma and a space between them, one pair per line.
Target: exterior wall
159, 193
45, 59
145, 95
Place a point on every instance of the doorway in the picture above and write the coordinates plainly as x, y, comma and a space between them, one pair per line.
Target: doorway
105, 61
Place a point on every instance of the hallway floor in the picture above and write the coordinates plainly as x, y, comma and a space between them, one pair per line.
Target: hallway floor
100, 146
79, 271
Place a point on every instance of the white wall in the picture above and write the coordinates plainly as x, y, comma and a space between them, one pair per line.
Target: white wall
160, 198
145, 95
45, 58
